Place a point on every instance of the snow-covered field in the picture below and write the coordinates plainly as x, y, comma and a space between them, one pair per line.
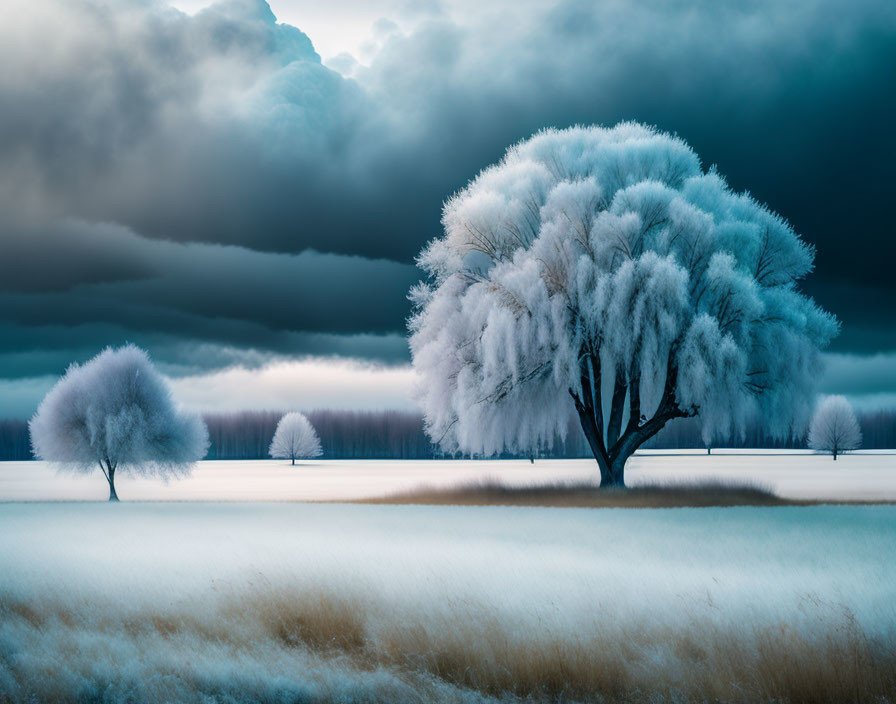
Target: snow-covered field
859, 476
336, 602
228, 589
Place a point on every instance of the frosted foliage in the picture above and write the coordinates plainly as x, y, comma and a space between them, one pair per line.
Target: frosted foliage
608, 258
116, 411
834, 427
295, 438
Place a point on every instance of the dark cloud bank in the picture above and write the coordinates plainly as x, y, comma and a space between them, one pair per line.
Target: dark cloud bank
203, 185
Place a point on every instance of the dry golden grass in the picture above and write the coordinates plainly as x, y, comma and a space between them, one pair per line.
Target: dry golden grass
472, 649
769, 664
472, 655
788, 606
559, 495
492, 493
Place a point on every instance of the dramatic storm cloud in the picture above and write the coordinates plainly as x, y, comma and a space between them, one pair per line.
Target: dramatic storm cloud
201, 183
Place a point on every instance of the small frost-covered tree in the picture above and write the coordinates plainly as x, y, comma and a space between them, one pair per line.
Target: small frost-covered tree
604, 272
116, 411
295, 438
834, 427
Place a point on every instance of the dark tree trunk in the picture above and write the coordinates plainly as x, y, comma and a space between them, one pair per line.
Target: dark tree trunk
613, 452
595, 442
835, 455
618, 473
110, 475
293, 461
617, 405
591, 419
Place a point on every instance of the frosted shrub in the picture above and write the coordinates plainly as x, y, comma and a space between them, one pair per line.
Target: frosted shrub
295, 439
602, 272
116, 412
834, 427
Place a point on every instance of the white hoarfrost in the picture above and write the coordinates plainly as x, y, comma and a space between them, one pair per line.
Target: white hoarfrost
115, 412
834, 427
329, 603
295, 439
602, 272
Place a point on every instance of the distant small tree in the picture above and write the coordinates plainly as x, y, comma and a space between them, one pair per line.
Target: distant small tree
295, 438
116, 411
834, 427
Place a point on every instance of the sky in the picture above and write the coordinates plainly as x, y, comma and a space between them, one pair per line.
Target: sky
241, 188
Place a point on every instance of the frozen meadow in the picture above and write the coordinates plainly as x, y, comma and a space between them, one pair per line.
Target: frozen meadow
862, 476
237, 601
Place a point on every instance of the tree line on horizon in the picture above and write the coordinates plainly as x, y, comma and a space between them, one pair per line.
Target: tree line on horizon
396, 434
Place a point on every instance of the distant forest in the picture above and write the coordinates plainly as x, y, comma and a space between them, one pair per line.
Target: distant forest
399, 435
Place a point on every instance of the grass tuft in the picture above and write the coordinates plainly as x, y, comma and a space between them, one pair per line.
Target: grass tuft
587, 495
467, 655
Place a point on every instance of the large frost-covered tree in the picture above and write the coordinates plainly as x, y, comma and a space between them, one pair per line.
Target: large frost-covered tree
834, 427
295, 438
116, 411
604, 272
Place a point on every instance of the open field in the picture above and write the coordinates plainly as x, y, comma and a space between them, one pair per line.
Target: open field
864, 476
223, 595
322, 602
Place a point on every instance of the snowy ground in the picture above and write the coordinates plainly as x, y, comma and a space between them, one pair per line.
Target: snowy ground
337, 602
860, 476
239, 599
